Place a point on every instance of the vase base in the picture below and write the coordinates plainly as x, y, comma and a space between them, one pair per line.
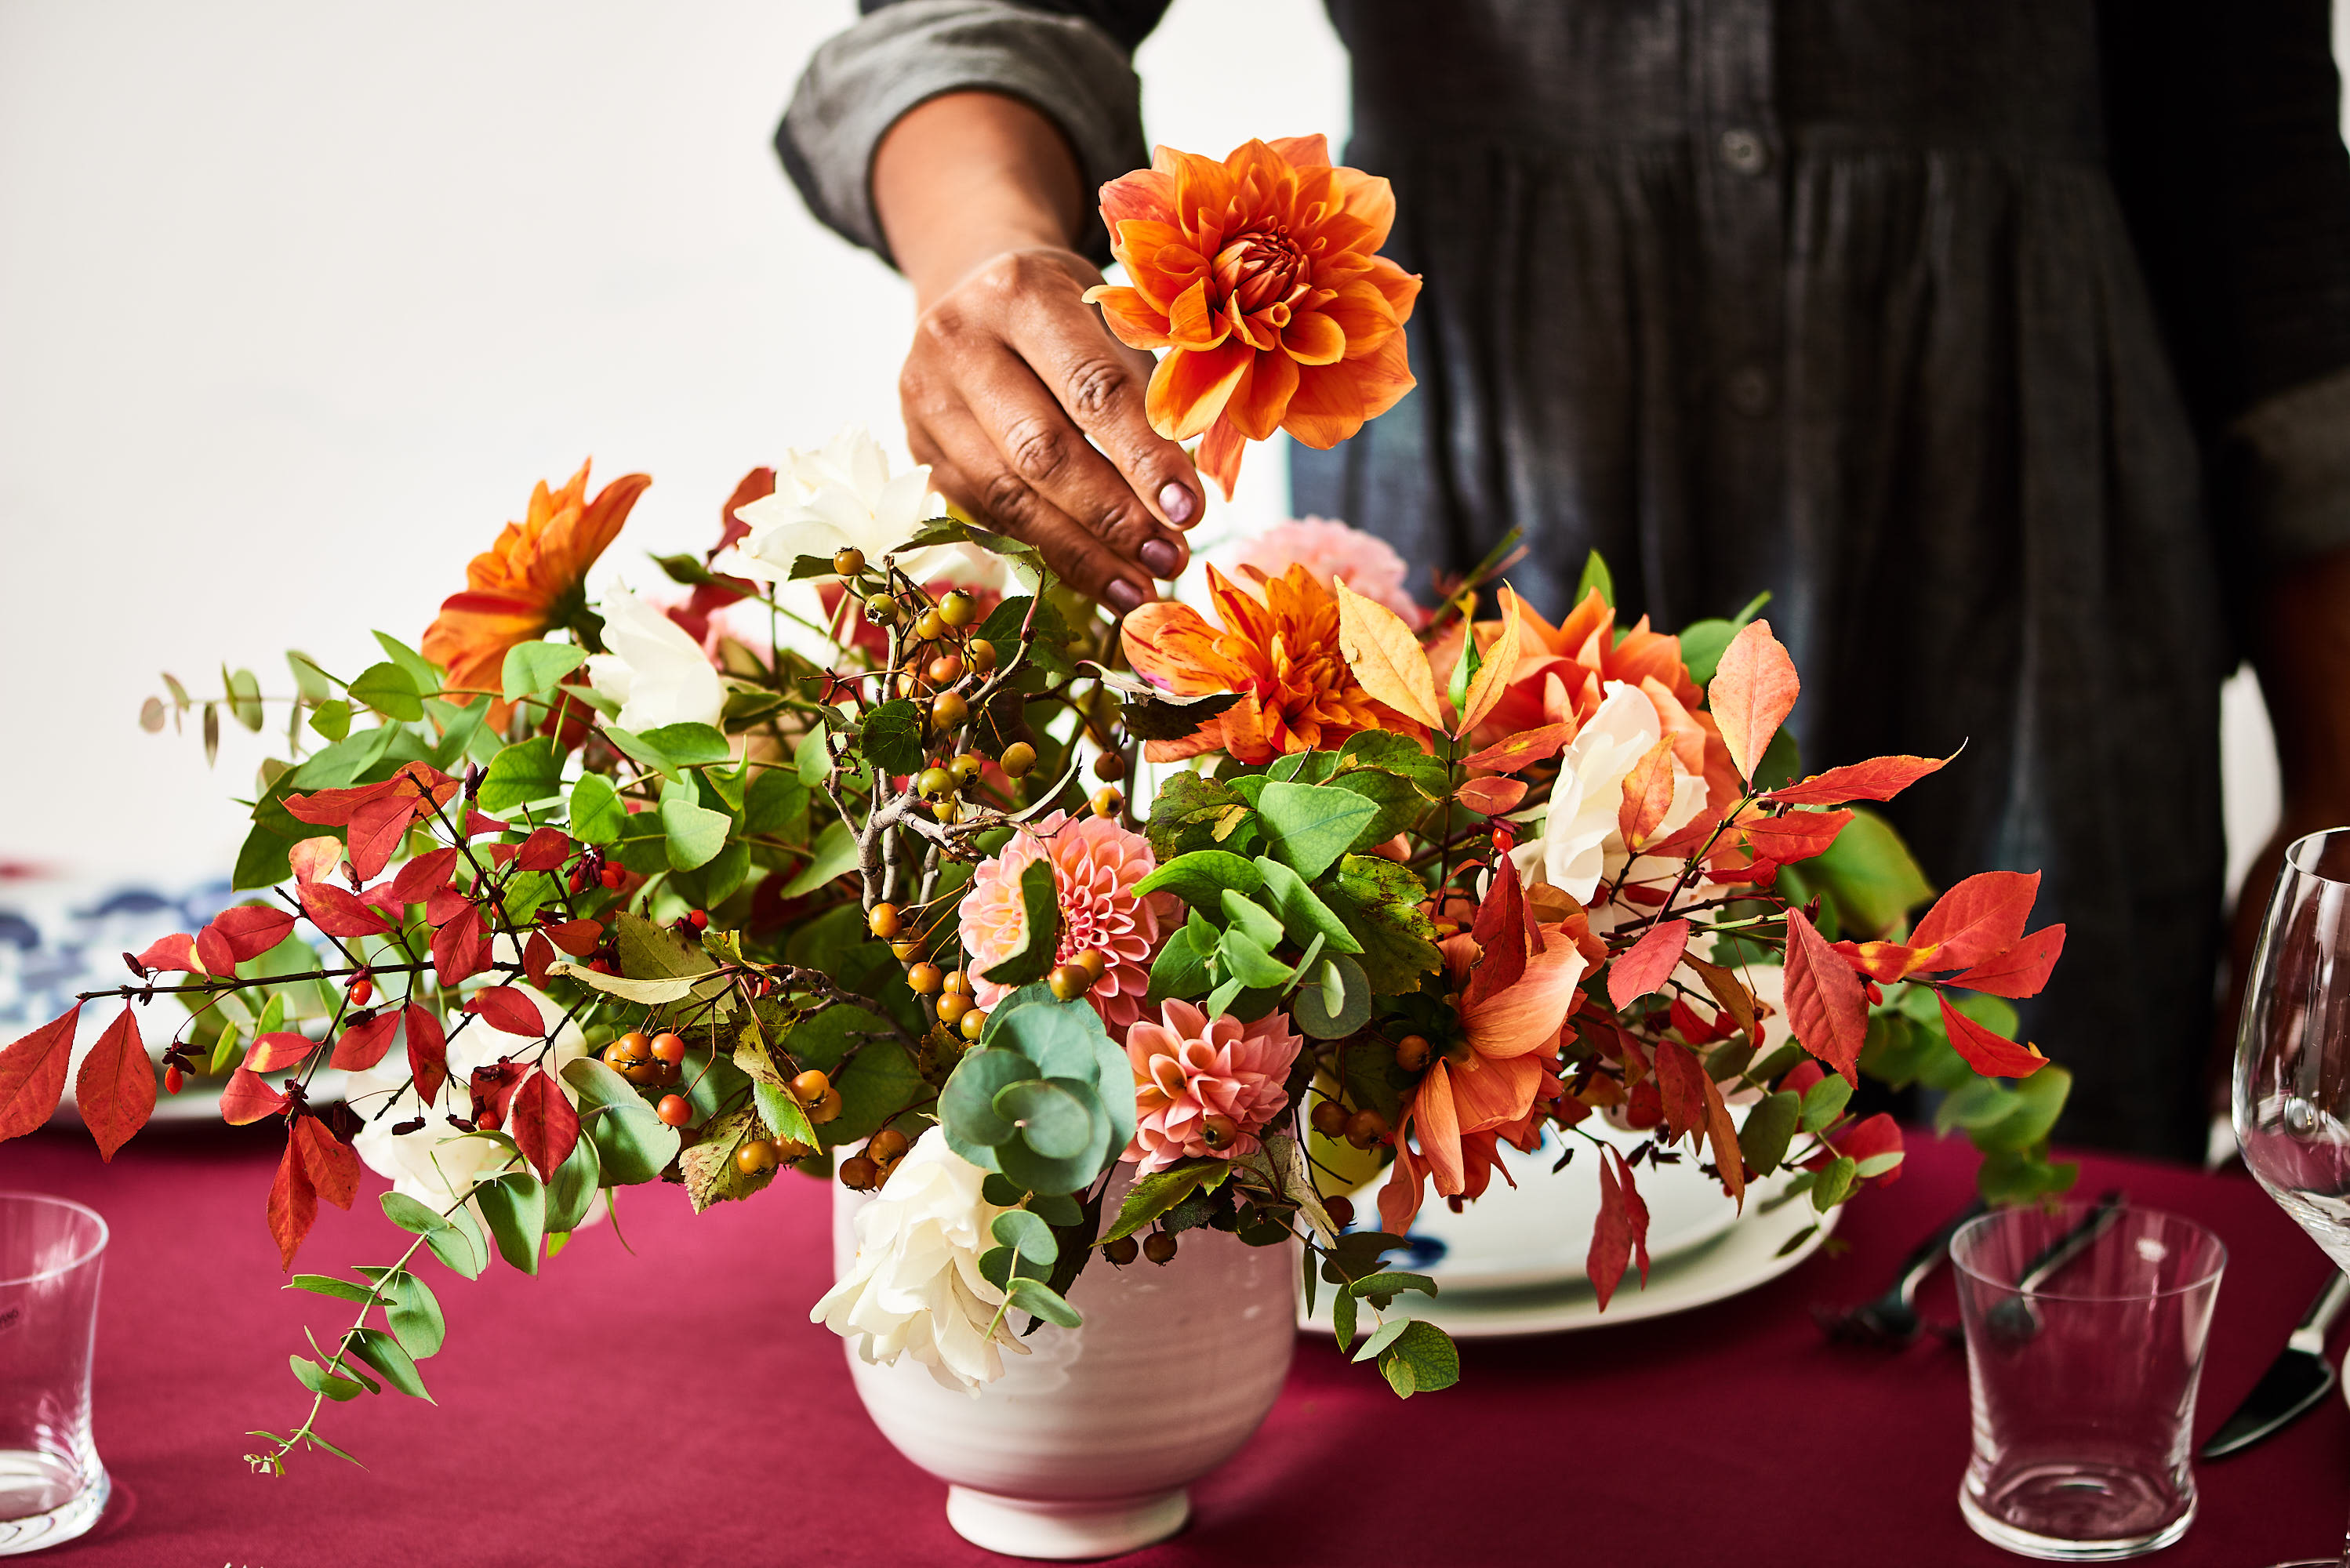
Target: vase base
1065, 1531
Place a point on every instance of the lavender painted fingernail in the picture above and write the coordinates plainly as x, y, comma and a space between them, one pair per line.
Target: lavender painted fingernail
1161, 558
1123, 596
1177, 503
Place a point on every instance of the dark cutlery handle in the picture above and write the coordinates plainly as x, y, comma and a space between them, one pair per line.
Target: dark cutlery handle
1931, 1251
2073, 1243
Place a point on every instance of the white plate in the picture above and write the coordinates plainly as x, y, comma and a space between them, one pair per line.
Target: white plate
1751, 1251
1538, 1233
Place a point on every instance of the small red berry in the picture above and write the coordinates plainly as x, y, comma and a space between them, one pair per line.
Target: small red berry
173, 1078
701, 918
361, 990
612, 877
674, 1110
668, 1048
488, 1121
1342, 1211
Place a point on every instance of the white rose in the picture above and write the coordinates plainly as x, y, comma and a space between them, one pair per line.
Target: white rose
436, 1162
915, 1288
840, 498
654, 671
1580, 844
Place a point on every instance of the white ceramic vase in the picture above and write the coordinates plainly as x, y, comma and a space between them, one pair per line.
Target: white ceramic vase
1087, 1447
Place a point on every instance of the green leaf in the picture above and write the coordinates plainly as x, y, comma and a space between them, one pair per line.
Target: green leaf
1310, 827
1380, 903
319, 1380
632, 1144
1026, 1235
1153, 1195
1035, 1297
310, 678
533, 669
1384, 1286
1400, 802
1343, 1310
1869, 874
389, 690
1422, 1360
514, 1206
244, 688
1055, 1116
876, 1084
1066, 1040
1824, 1102
1596, 575
1201, 877
1769, 1128
413, 1310
688, 745
1180, 969
1315, 1012
1251, 920
419, 669
383, 1351
774, 800
1250, 965
695, 833
332, 718
891, 737
1057, 1210
455, 1240
573, 1191
1192, 812
1387, 1333
597, 815
707, 1165
1047, 653
833, 854
522, 774
967, 1109
1834, 1182
1303, 914
811, 758
1041, 907
327, 1286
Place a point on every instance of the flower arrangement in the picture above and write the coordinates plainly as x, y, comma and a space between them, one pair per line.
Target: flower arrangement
586, 893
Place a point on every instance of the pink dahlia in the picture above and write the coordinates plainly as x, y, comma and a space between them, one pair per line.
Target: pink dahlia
1189, 1071
1334, 551
1096, 864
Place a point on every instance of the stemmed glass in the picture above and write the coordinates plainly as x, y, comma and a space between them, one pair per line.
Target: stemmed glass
2293, 1054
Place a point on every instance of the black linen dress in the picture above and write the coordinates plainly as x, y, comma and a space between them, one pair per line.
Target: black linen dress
1921, 315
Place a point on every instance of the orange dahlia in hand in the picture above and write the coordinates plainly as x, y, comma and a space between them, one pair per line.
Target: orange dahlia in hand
532, 580
1260, 276
1278, 647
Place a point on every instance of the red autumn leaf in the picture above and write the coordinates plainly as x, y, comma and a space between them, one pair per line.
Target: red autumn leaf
1491, 797
1754, 688
477, 825
1799, 1078
542, 1124
2021, 971
578, 937
248, 1099
755, 485
1688, 840
175, 952
1879, 778
315, 859
1647, 796
1643, 969
1869, 1137
545, 849
1520, 750
252, 930
1979, 918
1722, 1133
33, 1075
367, 1042
493, 1087
384, 902
272, 1051
428, 1051
377, 829
461, 949
537, 954
1505, 937
1883, 963
115, 1090
214, 952
337, 912
293, 1203
1621, 1230
1680, 1083
1694, 1029
1992, 1055
1826, 1006
1798, 836
509, 1012
424, 875
500, 853
333, 807
444, 904
332, 1164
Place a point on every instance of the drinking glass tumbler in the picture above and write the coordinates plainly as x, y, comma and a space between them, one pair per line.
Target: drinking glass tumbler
2083, 1345
52, 1486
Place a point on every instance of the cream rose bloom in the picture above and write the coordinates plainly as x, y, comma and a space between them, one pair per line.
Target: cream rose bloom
1579, 845
655, 672
915, 1288
843, 496
435, 1163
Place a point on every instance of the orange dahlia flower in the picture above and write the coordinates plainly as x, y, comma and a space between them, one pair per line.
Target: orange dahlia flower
1562, 674
1260, 275
530, 582
1278, 648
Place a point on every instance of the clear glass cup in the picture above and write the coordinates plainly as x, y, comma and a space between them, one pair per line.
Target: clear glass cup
2293, 1053
2085, 1343
52, 1486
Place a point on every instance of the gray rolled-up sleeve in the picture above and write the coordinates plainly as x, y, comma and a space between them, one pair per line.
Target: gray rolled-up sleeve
2287, 467
858, 84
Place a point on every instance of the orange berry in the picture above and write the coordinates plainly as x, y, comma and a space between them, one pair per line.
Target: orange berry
925, 977
882, 921
674, 1110
811, 1086
668, 1049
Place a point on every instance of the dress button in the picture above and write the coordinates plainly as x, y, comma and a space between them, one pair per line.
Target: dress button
1750, 390
1745, 152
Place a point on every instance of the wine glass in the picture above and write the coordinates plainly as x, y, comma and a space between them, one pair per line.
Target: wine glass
2293, 1054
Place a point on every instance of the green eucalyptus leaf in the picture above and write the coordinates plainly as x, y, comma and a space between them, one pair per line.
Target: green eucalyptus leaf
1054, 1115
533, 669
967, 1106
1309, 827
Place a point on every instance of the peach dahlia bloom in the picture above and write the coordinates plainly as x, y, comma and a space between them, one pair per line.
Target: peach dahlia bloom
1334, 552
1278, 647
1188, 1068
528, 583
1260, 275
1096, 864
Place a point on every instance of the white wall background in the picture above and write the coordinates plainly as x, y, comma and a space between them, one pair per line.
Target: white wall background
297, 299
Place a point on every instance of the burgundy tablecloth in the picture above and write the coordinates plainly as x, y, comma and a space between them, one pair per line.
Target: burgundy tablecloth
677, 1408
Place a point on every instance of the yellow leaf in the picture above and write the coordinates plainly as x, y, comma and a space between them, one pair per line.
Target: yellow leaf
1385, 658
1492, 677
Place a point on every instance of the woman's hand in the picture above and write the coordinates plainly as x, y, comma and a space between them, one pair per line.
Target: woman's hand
1010, 387
1029, 412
